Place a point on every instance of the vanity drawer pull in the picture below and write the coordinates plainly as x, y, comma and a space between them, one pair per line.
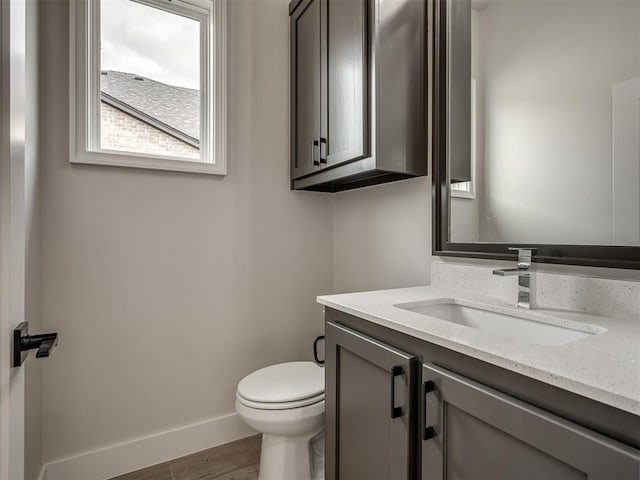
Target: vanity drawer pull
395, 411
427, 432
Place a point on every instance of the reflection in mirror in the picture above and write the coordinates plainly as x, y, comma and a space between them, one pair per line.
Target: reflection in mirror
555, 124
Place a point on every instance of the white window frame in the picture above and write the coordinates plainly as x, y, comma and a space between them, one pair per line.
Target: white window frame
84, 89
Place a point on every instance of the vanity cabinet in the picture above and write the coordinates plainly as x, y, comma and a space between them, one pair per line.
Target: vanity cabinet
460, 418
358, 84
369, 411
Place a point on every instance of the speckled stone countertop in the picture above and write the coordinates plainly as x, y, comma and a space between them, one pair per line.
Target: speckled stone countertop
604, 367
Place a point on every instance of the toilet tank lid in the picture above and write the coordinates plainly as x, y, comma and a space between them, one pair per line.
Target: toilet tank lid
284, 382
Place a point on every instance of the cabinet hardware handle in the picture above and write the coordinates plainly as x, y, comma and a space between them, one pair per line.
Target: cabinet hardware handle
323, 157
427, 432
314, 144
395, 411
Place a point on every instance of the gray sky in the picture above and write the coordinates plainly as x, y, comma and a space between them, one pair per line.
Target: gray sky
140, 39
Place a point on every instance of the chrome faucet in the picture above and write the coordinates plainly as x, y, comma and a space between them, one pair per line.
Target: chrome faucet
525, 277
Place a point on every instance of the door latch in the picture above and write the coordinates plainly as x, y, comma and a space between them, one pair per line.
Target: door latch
23, 342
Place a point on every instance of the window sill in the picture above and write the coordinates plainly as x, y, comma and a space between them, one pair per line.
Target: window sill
462, 194
130, 161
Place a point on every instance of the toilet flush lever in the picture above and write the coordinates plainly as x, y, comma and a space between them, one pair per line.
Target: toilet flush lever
23, 342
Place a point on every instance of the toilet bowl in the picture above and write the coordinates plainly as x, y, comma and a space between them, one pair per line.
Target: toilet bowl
284, 402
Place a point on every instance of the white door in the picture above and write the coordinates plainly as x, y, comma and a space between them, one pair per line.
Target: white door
12, 232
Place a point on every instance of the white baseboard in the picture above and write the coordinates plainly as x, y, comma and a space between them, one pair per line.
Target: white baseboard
142, 452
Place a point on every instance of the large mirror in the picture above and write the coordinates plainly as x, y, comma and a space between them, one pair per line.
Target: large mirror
537, 128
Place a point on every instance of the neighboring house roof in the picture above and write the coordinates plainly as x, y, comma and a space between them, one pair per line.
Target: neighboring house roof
174, 110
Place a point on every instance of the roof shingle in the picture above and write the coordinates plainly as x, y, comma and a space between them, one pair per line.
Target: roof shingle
177, 107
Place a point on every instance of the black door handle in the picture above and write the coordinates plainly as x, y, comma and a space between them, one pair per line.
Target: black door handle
395, 411
47, 343
23, 342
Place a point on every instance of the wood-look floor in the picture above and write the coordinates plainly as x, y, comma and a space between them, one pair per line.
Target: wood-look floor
234, 461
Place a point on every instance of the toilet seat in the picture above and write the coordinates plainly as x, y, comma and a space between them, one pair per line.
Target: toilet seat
305, 402
282, 386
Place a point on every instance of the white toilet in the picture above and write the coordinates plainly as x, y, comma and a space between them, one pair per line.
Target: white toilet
285, 402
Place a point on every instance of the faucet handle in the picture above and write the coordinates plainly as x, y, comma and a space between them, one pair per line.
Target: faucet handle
524, 256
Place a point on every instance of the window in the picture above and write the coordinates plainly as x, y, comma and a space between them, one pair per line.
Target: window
148, 84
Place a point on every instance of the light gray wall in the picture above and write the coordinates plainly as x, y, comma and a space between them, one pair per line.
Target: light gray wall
548, 130
382, 236
33, 160
168, 288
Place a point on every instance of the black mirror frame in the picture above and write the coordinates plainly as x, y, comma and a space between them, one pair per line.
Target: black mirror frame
590, 255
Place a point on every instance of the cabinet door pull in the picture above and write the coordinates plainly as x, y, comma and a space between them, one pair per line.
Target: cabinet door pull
323, 156
395, 411
314, 145
427, 432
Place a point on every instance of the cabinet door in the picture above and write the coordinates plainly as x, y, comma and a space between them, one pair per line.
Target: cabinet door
345, 79
473, 432
305, 88
368, 401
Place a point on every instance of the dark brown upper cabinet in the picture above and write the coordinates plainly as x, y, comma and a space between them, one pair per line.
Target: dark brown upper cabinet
358, 101
305, 84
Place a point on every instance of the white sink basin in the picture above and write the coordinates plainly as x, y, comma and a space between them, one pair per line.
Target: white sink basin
524, 325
